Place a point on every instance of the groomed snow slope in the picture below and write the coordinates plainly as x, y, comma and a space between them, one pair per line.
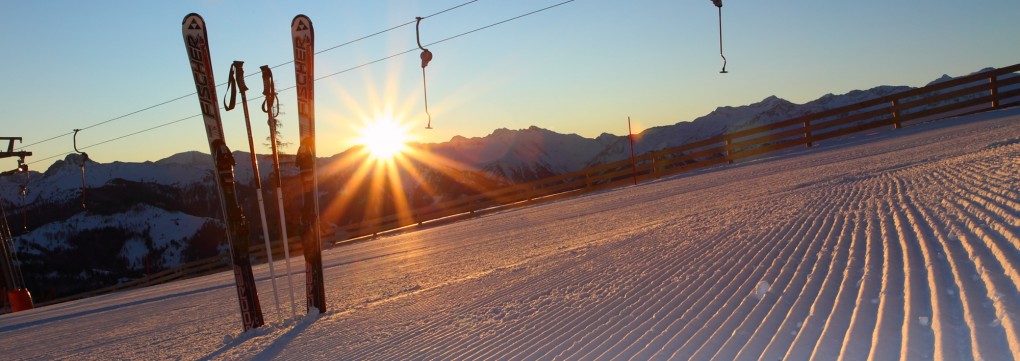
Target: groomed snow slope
895, 244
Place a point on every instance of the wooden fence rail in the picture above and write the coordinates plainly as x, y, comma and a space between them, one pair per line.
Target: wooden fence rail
977, 92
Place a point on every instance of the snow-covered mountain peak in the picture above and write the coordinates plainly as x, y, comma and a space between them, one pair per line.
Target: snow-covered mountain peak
726, 117
71, 162
942, 78
191, 158
606, 138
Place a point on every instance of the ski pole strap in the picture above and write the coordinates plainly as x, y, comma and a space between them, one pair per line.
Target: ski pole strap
235, 80
269, 91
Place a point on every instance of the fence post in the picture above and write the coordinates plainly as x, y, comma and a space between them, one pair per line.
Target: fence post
896, 114
994, 90
807, 133
657, 165
633, 164
729, 150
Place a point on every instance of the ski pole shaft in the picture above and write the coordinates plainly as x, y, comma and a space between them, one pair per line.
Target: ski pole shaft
286, 250
270, 108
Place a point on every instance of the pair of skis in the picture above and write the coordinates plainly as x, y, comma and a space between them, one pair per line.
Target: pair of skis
196, 43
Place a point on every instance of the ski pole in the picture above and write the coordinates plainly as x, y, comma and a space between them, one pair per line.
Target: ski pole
272, 109
236, 83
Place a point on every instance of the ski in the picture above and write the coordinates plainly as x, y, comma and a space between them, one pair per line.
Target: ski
304, 53
196, 43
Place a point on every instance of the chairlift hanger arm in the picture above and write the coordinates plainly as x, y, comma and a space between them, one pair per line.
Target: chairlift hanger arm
76, 141
426, 57
718, 4
84, 156
84, 159
417, 31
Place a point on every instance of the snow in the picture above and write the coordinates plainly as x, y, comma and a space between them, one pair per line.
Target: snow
506, 148
763, 288
892, 244
161, 226
63, 180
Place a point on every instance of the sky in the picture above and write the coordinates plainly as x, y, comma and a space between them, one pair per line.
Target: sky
582, 67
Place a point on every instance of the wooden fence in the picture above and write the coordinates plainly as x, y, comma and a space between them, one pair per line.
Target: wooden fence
974, 93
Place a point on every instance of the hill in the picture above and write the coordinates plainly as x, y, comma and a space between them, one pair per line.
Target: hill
891, 245
181, 187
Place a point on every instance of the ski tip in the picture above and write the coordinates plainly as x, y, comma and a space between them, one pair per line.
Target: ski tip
302, 26
301, 22
191, 15
193, 21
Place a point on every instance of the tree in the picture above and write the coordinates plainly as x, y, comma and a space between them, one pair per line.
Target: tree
280, 143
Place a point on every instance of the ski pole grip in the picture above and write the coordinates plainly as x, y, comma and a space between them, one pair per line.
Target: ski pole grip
239, 70
267, 80
269, 92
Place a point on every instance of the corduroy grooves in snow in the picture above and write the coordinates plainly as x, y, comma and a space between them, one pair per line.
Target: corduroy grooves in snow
888, 245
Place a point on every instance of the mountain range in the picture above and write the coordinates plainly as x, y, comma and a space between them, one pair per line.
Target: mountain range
144, 217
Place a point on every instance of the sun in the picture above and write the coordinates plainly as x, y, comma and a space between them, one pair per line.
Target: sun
384, 138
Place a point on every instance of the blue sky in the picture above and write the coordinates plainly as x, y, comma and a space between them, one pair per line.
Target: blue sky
582, 67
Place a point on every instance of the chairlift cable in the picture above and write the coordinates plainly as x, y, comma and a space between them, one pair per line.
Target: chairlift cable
276, 66
292, 87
